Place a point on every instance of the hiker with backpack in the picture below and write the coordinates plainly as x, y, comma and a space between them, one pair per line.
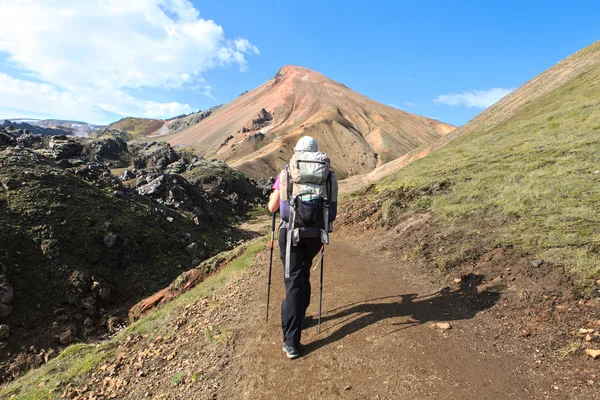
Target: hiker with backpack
305, 193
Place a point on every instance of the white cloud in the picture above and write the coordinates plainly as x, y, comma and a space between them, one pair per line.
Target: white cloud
90, 53
474, 98
208, 92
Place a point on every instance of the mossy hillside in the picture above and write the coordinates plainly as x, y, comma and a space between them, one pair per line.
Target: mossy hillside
54, 229
76, 363
137, 127
531, 182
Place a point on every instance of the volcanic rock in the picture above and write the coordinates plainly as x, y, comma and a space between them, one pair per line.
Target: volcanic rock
62, 147
4, 332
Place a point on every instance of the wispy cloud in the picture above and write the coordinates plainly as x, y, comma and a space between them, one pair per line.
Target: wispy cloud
474, 98
208, 92
82, 58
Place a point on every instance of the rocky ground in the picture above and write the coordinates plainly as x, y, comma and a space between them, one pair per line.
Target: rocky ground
91, 226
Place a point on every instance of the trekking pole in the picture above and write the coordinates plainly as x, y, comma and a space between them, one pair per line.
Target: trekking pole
270, 265
321, 290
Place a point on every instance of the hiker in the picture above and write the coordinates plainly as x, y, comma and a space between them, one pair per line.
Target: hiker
304, 190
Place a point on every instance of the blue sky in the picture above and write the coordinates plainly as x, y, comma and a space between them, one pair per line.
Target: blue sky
99, 61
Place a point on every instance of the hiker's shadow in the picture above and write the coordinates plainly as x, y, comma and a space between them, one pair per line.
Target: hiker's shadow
445, 305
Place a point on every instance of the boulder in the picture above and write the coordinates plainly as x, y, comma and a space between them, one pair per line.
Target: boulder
6, 140
127, 175
62, 147
157, 155
263, 119
174, 191
30, 141
6, 293
177, 167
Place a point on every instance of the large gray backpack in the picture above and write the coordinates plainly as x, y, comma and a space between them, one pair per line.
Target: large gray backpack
310, 189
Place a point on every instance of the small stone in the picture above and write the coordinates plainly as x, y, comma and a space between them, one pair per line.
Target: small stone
4, 332
348, 387
68, 336
583, 331
592, 353
588, 338
443, 326
590, 382
525, 333
457, 280
537, 263
110, 239
170, 219
112, 324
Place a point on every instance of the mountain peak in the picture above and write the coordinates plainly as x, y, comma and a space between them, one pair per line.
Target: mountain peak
358, 133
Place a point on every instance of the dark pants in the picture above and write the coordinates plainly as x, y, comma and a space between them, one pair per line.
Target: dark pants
297, 286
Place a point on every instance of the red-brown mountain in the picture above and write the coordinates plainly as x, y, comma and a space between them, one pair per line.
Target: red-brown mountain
257, 131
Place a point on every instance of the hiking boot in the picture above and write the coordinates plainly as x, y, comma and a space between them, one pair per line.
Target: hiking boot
290, 351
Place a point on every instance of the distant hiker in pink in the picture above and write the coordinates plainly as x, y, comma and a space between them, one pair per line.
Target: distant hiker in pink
305, 193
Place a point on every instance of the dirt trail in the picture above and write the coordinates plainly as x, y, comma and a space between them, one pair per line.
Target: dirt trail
377, 341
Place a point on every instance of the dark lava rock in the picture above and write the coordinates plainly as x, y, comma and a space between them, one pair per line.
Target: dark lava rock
157, 155
62, 147
6, 140
111, 149
263, 119
185, 121
127, 175
30, 141
174, 191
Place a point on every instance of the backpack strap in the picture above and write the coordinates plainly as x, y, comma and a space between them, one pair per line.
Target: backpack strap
289, 183
329, 187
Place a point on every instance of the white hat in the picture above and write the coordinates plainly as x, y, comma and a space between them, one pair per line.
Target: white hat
306, 143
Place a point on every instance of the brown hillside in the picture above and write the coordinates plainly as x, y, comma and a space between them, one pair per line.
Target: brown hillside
358, 133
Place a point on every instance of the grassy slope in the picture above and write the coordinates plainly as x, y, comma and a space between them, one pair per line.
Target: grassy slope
533, 181
77, 362
137, 127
